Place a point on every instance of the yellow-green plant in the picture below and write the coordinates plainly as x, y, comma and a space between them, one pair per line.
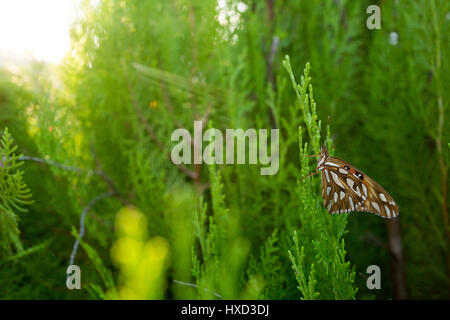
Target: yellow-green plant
142, 261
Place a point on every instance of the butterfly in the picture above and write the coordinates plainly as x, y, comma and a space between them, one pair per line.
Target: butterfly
346, 189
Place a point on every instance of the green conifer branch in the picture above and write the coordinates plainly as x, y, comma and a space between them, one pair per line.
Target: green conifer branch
304, 92
14, 193
319, 255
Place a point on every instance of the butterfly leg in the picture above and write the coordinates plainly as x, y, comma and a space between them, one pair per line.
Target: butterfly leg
309, 175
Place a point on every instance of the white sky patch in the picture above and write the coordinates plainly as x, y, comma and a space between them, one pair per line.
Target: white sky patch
37, 29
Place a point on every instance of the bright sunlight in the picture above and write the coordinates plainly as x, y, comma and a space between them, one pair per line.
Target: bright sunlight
32, 29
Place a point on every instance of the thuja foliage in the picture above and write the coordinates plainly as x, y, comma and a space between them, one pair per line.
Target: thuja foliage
223, 249
14, 195
318, 254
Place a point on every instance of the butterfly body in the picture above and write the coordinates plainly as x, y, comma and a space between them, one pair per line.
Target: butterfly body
346, 189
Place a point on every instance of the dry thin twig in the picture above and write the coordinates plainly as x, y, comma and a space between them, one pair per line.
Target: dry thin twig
196, 286
82, 219
112, 193
440, 126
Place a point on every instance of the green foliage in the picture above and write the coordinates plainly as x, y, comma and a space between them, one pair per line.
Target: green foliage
306, 285
223, 248
267, 268
400, 118
307, 104
104, 272
320, 250
14, 194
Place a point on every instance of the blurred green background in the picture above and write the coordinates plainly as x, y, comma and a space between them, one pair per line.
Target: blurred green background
99, 126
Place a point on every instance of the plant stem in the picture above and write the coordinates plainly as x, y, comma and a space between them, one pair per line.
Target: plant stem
440, 126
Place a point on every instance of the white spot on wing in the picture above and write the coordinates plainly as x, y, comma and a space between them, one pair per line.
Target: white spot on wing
375, 205
321, 160
357, 191
329, 206
387, 210
382, 197
351, 203
343, 171
335, 197
350, 182
342, 195
331, 164
336, 180
326, 175
364, 189
328, 191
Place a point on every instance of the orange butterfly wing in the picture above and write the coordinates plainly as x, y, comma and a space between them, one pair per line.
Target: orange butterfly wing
346, 188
